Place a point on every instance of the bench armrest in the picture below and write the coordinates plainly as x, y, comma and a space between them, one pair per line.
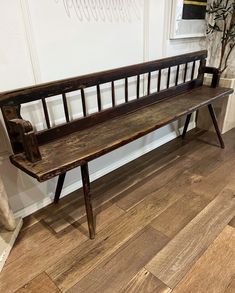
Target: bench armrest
25, 135
216, 75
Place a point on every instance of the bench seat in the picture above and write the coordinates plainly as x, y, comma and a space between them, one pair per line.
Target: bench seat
75, 149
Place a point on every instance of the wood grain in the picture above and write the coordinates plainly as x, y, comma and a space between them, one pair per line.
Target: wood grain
145, 282
232, 222
49, 251
116, 271
72, 150
214, 270
41, 284
231, 286
79, 262
172, 262
178, 215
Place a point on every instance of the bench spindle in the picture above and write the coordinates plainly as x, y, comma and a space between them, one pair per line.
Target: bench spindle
159, 80
185, 72
46, 114
149, 83
99, 98
168, 77
138, 87
177, 75
126, 90
193, 70
113, 94
83, 102
66, 110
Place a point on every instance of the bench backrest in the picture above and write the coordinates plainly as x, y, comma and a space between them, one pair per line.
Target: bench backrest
174, 75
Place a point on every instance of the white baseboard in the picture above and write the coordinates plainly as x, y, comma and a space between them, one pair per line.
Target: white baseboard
74, 186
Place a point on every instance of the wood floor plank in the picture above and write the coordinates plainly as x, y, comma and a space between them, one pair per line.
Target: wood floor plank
50, 250
178, 215
232, 222
231, 286
29, 239
116, 271
83, 259
214, 270
145, 282
40, 284
178, 256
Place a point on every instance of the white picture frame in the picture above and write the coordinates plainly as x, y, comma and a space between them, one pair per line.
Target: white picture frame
180, 28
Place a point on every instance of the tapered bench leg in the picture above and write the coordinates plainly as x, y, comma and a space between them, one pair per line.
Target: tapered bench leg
214, 119
186, 125
87, 197
59, 187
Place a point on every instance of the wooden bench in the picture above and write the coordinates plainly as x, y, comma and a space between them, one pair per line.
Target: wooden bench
173, 88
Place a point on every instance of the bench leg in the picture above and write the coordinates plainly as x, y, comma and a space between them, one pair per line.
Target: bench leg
87, 197
59, 187
186, 125
214, 119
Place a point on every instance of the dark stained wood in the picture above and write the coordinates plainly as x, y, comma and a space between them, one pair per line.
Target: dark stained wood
159, 80
138, 87
126, 90
46, 114
214, 120
34, 93
113, 94
99, 98
83, 102
87, 198
177, 75
193, 70
149, 83
66, 111
91, 120
109, 136
168, 77
186, 124
59, 187
185, 72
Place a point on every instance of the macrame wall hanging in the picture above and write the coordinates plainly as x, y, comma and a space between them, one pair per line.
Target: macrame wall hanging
103, 10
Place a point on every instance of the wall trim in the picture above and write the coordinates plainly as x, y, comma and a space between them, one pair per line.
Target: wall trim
74, 186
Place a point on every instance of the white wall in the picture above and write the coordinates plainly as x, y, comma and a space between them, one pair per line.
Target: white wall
45, 44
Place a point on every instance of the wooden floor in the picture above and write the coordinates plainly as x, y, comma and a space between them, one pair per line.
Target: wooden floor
165, 223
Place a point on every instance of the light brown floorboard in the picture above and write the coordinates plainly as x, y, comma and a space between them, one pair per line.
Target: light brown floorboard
79, 262
115, 272
145, 282
214, 270
41, 284
49, 251
177, 257
232, 222
231, 286
178, 215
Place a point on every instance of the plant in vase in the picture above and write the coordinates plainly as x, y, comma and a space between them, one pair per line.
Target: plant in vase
220, 33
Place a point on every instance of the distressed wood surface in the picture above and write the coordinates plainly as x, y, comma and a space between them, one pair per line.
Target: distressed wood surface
54, 239
174, 260
42, 283
145, 282
74, 149
215, 269
112, 275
